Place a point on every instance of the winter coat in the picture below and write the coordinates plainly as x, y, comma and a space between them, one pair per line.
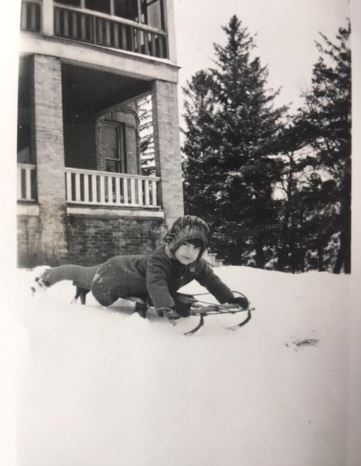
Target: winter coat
156, 276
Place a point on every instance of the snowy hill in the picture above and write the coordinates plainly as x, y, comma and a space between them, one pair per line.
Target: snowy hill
101, 387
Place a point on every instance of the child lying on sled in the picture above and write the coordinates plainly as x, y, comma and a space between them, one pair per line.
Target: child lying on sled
154, 278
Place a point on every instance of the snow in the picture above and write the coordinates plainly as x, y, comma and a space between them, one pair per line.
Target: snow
100, 386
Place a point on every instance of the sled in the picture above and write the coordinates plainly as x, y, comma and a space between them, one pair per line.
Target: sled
206, 310
198, 308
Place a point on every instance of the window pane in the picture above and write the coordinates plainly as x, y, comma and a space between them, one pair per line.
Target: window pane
24, 144
98, 5
152, 13
126, 9
110, 142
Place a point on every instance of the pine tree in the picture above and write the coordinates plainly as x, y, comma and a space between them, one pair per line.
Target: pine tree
231, 125
326, 125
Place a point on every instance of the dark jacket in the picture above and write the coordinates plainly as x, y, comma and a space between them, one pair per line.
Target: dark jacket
156, 276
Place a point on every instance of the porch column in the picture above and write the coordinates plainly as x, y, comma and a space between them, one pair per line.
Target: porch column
167, 148
49, 144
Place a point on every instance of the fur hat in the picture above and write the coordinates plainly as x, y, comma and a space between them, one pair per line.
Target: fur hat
185, 229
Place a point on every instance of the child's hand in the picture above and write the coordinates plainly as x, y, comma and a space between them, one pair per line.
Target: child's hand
183, 309
241, 301
168, 312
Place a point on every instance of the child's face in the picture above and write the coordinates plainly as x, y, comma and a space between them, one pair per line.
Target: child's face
187, 253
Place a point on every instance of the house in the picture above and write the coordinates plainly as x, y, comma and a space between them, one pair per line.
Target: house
83, 195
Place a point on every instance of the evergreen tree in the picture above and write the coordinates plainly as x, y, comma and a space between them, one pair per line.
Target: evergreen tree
200, 146
231, 126
326, 125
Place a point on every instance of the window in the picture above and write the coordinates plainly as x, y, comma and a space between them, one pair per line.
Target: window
24, 136
152, 13
99, 5
114, 147
126, 9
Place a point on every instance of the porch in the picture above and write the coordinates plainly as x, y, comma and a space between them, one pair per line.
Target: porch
98, 174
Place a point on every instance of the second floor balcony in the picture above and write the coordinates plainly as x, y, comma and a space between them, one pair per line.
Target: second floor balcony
136, 26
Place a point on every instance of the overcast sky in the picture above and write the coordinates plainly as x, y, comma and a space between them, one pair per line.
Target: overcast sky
286, 33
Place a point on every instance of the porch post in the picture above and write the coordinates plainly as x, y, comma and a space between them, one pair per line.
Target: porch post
49, 146
167, 148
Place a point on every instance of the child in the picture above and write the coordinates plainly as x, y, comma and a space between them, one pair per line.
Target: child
155, 278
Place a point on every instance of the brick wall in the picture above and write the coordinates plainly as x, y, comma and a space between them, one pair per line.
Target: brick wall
167, 148
49, 145
93, 239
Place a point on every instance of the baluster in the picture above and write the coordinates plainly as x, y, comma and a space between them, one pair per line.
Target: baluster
66, 23
116, 35
131, 39
117, 190
165, 47
146, 42
77, 187
68, 187
146, 189
94, 189
161, 47
74, 17
108, 34
82, 27
123, 30
102, 188
32, 11
154, 193
110, 189
20, 195
153, 45
100, 39
138, 45
94, 29
140, 191
57, 13
132, 191
23, 22
125, 191
86, 188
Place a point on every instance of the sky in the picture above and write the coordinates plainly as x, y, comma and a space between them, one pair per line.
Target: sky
286, 32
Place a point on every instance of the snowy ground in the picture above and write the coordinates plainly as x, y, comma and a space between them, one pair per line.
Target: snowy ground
101, 387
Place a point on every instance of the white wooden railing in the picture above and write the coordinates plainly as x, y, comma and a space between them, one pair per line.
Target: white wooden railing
92, 187
26, 182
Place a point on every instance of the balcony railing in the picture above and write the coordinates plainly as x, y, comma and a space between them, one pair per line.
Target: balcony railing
31, 16
89, 187
26, 185
97, 28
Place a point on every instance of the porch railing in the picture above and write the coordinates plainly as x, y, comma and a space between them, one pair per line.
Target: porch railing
90, 187
26, 184
97, 28
114, 32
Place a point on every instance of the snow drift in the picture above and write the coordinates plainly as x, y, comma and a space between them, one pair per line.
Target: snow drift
100, 386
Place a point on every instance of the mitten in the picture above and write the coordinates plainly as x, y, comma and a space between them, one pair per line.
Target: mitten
182, 309
240, 300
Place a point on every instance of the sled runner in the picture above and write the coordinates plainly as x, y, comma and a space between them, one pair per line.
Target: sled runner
204, 310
